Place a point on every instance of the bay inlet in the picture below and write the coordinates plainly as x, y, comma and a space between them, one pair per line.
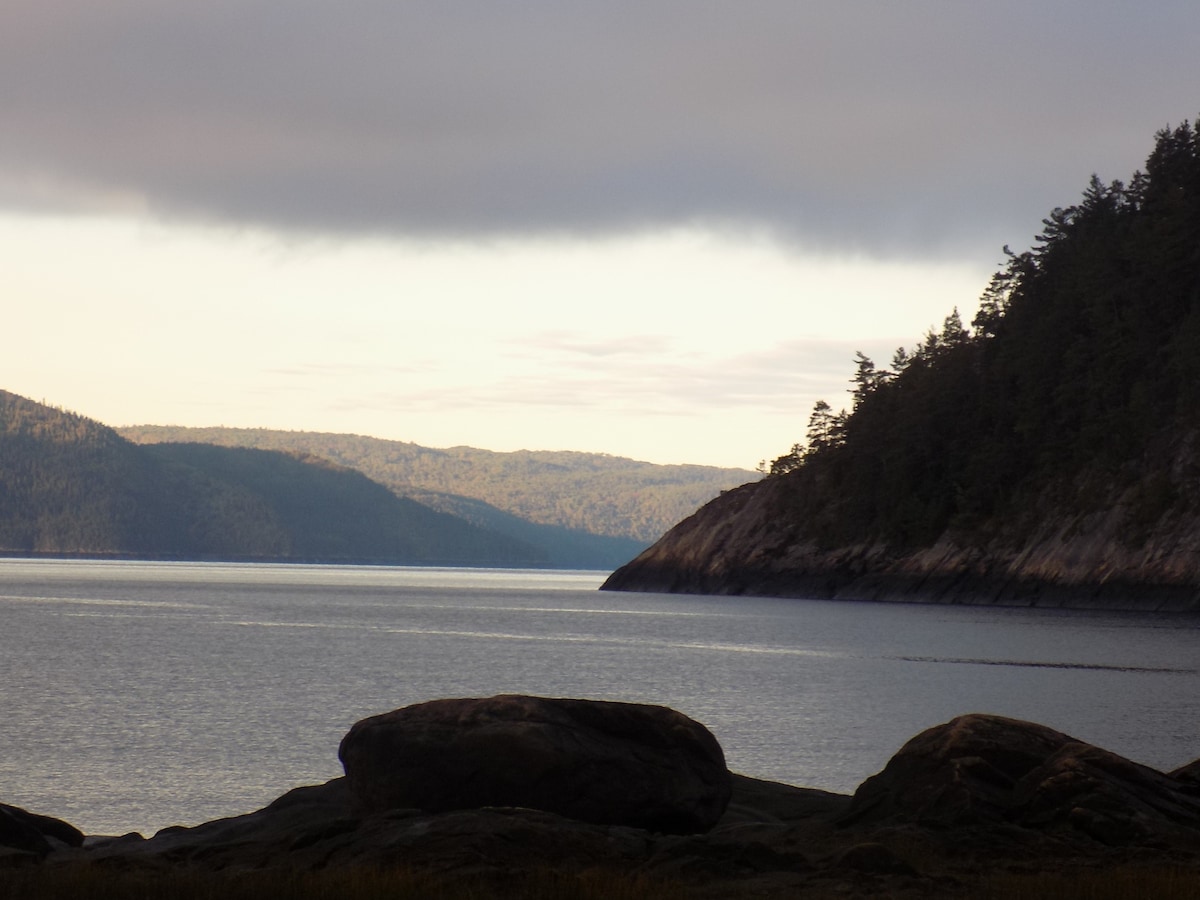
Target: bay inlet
141, 695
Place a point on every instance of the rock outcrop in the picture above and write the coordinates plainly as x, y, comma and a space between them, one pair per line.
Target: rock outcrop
1049, 454
980, 772
751, 541
23, 833
1189, 775
959, 803
560, 756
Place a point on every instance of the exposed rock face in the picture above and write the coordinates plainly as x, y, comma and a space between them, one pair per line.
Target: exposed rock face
24, 832
989, 771
600, 762
1189, 775
957, 805
731, 545
750, 541
320, 827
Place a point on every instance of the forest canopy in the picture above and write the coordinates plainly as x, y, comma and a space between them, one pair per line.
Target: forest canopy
1081, 365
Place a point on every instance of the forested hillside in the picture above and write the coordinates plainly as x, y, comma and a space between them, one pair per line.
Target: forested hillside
585, 492
68, 482
71, 485
1049, 448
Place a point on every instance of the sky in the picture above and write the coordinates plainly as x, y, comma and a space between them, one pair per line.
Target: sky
658, 229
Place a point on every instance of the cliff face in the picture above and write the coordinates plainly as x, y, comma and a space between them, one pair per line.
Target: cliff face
752, 541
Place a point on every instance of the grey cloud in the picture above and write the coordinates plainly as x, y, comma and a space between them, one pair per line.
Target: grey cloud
886, 127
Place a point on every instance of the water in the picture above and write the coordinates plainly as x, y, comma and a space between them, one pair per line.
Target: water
140, 695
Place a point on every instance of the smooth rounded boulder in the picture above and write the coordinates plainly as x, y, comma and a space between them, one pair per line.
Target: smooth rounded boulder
985, 771
26, 832
602, 762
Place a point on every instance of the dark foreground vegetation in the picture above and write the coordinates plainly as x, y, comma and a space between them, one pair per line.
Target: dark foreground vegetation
1145, 882
1051, 442
393, 883
531, 797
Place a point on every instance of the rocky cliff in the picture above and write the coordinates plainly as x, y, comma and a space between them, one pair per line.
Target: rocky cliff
1045, 455
752, 541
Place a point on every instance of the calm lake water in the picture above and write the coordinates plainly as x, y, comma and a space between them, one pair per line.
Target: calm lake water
141, 695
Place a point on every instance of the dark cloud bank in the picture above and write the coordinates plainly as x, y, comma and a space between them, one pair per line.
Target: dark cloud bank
886, 127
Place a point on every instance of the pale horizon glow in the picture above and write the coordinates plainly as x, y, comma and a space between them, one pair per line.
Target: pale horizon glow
688, 346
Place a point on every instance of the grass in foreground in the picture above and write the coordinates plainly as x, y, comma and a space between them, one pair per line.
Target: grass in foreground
1131, 883
92, 882
98, 883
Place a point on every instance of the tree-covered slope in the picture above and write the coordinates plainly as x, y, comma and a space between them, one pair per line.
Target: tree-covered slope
1047, 451
564, 547
66, 482
72, 485
332, 512
583, 492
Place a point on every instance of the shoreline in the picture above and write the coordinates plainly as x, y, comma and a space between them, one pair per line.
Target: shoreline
963, 589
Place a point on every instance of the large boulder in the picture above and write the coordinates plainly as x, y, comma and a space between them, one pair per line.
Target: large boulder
594, 761
990, 771
26, 832
1188, 775
961, 803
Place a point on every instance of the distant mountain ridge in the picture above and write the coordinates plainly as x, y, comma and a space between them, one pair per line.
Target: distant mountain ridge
69, 485
589, 495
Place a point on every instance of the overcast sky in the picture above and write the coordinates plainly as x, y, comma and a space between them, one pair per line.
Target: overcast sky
653, 229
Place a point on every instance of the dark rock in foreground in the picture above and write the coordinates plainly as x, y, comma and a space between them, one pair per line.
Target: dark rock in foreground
23, 832
1189, 775
958, 803
600, 762
990, 772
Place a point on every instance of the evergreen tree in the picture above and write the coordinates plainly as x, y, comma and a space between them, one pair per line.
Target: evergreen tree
1084, 354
